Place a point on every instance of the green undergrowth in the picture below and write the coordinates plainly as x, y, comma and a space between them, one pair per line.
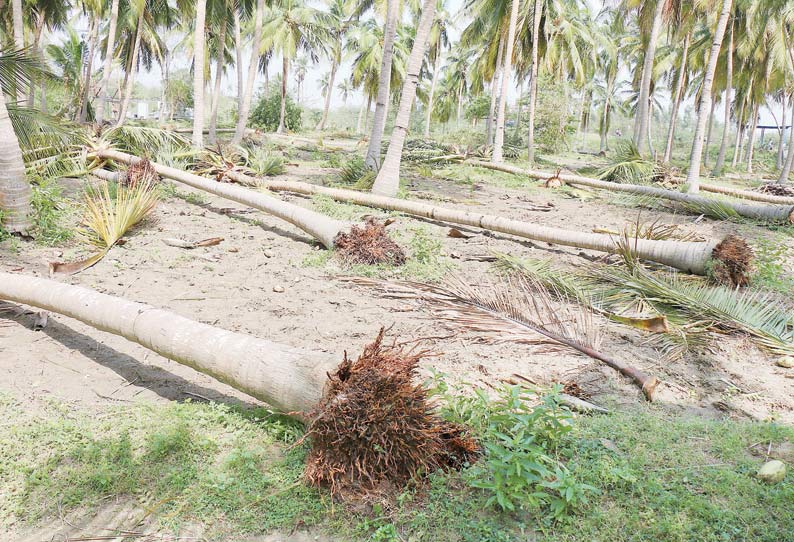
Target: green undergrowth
654, 476
54, 216
772, 267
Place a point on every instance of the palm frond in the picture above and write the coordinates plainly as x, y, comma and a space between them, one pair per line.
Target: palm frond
19, 68
108, 218
141, 141
39, 132
628, 166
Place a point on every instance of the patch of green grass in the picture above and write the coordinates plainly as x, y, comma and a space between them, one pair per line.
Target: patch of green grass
337, 209
470, 175
772, 270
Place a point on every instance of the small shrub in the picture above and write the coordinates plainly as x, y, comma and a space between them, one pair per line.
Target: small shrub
354, 173
267, 111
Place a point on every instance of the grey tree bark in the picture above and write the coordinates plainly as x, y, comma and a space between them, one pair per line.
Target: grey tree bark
216, 92
244, 102
679, 89
507, 72
199, 35
15, 192
643, 106
717, 172
496, 85
533, 84
108, 67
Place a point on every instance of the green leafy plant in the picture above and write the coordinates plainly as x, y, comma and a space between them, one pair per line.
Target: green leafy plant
263, 162
770, 263
267, 110
354, 173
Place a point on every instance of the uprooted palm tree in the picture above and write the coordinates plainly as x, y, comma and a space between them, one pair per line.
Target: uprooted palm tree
368, 422
728, 259
367, 244
781, 214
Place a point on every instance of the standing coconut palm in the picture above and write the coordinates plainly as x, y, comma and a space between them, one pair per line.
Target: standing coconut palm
437, 42
336, 22
680, 83
291, 26
345, 88
221, 20
18, 27
372, 159
245, 95
388, 180
301, 66
533, 84
643, 106
15, 192
109, 55
199, 41
507, 73
693, 174
717, 172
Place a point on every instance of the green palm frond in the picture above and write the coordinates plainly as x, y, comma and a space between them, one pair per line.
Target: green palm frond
20, 67
628, 166
142, 141
39, 132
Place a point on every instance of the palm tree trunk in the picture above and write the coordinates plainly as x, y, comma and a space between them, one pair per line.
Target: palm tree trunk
130, 79
781, 142
108, 67
94, 36
679, 90
767, 213
388, 180
164, 89
748, 194
322, 228
238, 59
15, 192
372, 159
693, 173
517, 130
289, 379
533, 84
641, 120
216, 93
708, 134
327, 106
199, 51
751, 141
19, 36
496, 85
507, 72
717, 172
433, 82
360, 121
244, 104
690, 257
604, 128
737, 144
40, 20
789, 164
282, 124
366, 114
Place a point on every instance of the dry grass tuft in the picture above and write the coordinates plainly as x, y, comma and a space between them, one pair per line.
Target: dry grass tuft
140, 172
369, 244
376, 430
733, 262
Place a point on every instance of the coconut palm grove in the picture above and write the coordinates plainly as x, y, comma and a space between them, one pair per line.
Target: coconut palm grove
396, 271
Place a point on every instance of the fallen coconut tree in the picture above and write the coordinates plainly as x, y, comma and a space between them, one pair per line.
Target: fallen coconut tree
368, 422
748, 194
779, 214
366, 244
728, 260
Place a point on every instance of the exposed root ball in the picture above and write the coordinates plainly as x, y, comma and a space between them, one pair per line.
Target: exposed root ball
369, 244
776, 189
141, 171
376, 429
732, 261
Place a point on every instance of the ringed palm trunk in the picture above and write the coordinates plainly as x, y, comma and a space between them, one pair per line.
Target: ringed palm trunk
244, 102
707, 145
533, 84
287, 378
433, 82
685, 256
216, 93
388, 180
781, 142
768, 213
737, 144
282, 123
693, 173
717, 172
238, 60
643, 105
88, 70
372, 159
198, 73
679, 89
360, 121
322, 228
15, 190
748, 194
751, 140
130, 79
501, 111
789, 163
111, 47
327, 105
495, 87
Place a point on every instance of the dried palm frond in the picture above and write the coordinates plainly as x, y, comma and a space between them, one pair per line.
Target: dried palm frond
655, 231
219, 161
776, 189
515, 309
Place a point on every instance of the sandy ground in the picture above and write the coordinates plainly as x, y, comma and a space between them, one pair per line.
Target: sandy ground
256, 282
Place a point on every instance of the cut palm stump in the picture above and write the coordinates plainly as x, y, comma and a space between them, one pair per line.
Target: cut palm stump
368, 423
367, 243
778, 214
701, 258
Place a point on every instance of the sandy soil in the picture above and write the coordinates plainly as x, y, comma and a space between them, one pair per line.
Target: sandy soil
255, 282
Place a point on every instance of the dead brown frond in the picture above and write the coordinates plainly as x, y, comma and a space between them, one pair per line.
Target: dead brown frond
732, 262
141, 171
369, 244
376, 429
776, 189
515, 309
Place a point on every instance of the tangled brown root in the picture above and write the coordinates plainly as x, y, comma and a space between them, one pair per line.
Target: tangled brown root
369, 244
732, 261
776, 189
554, 181
140, 171
376, 430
